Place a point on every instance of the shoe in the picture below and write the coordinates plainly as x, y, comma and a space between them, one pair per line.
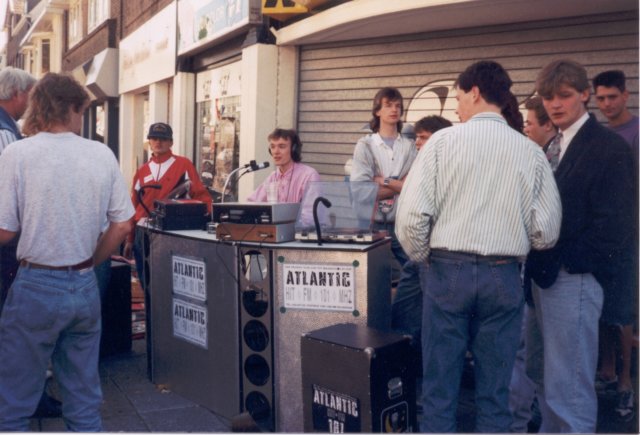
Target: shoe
606, 387
48, 407
624, 408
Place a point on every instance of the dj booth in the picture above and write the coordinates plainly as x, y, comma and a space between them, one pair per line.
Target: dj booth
227, 316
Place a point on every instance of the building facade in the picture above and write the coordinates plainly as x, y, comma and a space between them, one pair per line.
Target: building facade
224, 73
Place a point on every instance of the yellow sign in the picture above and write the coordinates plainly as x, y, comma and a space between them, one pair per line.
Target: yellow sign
281, 10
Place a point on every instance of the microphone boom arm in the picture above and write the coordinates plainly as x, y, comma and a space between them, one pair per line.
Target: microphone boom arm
327, 204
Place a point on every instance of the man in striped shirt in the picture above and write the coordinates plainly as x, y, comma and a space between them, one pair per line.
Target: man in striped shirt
477, 198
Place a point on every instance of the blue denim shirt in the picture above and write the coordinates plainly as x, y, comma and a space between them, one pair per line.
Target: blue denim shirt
7, 123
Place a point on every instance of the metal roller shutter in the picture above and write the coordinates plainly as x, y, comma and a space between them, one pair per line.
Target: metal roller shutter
339, 80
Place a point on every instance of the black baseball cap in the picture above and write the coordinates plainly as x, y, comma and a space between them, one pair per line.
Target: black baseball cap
160, 130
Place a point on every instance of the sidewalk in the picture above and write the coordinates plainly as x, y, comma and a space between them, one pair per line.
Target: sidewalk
133, 404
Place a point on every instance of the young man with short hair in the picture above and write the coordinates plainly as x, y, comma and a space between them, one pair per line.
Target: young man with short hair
169, 172
537, 126
612, 96
425, 127
571, 281
291, 176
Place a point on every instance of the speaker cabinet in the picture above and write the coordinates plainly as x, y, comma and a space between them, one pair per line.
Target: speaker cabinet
369, 270
256, 332
195, 339
116, 312
357, 379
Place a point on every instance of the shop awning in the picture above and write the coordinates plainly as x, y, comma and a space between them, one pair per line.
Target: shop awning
364, 19
102, 74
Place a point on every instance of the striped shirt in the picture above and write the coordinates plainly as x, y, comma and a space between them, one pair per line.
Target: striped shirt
479, 187
6, 137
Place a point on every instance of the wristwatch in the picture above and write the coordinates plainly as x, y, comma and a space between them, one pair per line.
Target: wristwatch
386, 182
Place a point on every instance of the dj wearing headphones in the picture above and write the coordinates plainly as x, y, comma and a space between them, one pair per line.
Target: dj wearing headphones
291, 176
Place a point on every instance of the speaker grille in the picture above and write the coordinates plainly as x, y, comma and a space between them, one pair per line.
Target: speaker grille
256, 329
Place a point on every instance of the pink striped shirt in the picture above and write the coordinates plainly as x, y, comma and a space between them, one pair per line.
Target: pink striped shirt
291, 184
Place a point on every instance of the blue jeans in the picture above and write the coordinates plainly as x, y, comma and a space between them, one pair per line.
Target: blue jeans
142, 249
568, 314
406, 308
529, 360
51, 315
471, 304
138, 256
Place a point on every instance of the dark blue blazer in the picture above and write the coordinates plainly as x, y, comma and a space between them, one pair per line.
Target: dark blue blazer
595, 180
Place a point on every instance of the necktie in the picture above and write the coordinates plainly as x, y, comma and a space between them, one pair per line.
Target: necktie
553, 152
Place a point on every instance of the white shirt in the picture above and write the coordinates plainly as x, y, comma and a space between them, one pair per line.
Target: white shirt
479, 187
60, 203
373, 158
569, 133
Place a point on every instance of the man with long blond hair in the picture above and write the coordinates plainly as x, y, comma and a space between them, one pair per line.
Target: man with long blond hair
57, 189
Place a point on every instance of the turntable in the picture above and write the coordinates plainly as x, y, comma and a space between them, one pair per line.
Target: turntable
349, 219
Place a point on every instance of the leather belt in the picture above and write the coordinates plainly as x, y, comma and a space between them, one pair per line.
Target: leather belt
84, 265
473, 258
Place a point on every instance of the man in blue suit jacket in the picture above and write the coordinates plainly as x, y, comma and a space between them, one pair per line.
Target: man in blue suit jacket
594, 175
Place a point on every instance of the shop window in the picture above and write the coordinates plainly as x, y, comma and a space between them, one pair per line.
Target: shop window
144, 102
100, 123
20, 61
46, 56
75, 21
98, 13
218, 133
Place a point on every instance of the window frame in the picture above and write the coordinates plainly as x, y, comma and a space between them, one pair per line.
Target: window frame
98, 13
75, 22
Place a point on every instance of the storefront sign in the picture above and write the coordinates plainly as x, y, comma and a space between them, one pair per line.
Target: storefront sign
190, 322
219, 83
203, 21
189, 277
148, 55
328, 287
334, 412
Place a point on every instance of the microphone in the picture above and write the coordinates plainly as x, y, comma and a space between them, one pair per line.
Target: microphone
250, 167
257, 166
141, 193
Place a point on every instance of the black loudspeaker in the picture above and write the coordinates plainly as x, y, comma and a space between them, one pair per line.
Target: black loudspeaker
116, 312
256, 335
357, 379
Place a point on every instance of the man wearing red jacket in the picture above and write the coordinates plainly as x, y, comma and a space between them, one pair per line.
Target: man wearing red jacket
169, 172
